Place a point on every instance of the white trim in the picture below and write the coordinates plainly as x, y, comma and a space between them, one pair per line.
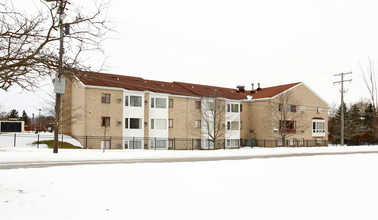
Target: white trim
105, 87
301, 83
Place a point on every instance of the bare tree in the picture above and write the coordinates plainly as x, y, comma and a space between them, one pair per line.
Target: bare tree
29, 42
213, 120
284, 116
67, 116
371, 84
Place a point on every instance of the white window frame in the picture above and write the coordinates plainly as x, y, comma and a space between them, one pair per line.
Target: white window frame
133, 101
160, 102
129, 123
158, 125
318, 127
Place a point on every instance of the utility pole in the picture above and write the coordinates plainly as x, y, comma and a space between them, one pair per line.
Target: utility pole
58, 82
341, 82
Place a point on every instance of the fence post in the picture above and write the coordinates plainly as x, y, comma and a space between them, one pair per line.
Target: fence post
38, 141
86, 142
174, 143
133, 142
155, 143
192, 144
110, 142
14, 142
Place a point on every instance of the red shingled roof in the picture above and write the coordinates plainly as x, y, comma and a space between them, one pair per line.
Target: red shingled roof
176, 88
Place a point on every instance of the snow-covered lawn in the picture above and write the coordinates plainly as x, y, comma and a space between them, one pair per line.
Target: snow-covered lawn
316, 187
313, 187
26, 152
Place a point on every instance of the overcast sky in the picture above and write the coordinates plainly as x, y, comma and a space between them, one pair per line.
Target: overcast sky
234, 42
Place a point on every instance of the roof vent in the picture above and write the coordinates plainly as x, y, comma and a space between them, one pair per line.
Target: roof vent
258, 87
240, 88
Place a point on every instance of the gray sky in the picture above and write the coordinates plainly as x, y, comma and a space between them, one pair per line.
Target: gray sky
234, 42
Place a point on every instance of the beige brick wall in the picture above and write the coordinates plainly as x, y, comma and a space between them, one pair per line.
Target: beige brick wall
258, 114
184, 116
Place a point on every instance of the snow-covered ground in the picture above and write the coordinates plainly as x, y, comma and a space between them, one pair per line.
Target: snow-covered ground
316, 187
25, 151
313, 187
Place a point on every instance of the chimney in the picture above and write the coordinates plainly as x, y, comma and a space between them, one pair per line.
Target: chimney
240, 88
258, 87
253, 85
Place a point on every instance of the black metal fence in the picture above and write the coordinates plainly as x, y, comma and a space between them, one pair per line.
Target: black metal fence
366, 142
118, 142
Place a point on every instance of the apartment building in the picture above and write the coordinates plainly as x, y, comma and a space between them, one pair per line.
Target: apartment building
124, 112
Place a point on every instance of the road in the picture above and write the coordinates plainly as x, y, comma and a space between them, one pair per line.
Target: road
43, 164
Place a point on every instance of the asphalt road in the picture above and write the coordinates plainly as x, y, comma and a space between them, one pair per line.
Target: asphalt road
43, 164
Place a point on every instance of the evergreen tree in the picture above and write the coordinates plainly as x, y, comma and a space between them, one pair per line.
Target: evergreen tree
25, 117
13, 114
336, 122
354, 123
369, 121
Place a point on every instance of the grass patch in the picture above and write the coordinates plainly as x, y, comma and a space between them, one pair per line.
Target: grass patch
50, 144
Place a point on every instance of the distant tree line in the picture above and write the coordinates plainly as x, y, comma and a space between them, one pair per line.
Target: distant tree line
359, 122
38, 120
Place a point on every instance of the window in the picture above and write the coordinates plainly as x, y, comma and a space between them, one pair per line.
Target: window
152, 124
105, 144
279, 142
160, 124
241, 107
171, 143
210, 106
152, 102
170, 104
170, 123
319, 140
319, 110
105, 121
287, 126
318, 127
232, 142
198, 104
126, 123
158, 143
136, 144
293, 108
233, 125
198, 124
105, 98
161, 103
293, 142
136, 101
303, 108
135, 123
126, 100
233, 108
301, 141
197, 143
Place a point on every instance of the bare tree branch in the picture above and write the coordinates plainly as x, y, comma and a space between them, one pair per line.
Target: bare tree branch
28, 44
